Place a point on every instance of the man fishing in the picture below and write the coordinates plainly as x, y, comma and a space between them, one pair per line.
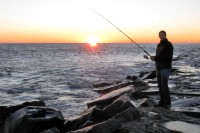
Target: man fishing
163, 60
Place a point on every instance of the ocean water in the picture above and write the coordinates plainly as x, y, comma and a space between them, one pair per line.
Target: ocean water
63, 74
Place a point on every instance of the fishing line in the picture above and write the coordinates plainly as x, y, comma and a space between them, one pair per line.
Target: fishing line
121, 32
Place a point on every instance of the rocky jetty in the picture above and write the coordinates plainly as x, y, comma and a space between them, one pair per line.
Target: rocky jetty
122, 107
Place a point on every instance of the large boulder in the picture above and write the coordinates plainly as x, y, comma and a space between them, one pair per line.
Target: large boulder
34, 119
110, 97
13, 108
96, 115
6, 109
90, 117
111, 125
120, 104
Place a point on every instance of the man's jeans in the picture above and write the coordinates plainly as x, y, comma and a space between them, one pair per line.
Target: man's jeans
162, 78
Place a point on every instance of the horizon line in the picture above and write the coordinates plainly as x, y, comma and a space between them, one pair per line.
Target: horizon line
85, 43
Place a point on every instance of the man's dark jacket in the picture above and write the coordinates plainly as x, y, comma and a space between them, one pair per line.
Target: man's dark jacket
164, 55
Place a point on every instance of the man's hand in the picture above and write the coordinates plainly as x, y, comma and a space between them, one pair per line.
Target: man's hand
152, 58
146, 57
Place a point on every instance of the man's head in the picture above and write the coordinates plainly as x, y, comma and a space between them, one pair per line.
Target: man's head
162, 35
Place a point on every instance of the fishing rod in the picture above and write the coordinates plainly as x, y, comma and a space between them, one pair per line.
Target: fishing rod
123, 33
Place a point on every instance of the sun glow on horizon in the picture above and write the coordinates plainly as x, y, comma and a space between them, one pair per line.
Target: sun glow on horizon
93, 40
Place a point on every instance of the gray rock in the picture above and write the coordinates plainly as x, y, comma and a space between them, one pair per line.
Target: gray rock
183, 127
107, 89
187, 93
76, 122
12, 107
34, 119
190, 111
109, 126
138, 95
120, 104
152, 90
112, 124
140, 85
110, 97
186, 102
6, 109
129, 114
148, 75
95, 115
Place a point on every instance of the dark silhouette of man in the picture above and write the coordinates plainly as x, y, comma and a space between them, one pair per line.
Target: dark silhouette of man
163, 61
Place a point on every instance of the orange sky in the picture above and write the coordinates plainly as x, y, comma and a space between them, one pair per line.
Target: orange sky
67, 21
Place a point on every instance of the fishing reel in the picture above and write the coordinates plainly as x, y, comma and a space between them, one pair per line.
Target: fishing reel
146, 57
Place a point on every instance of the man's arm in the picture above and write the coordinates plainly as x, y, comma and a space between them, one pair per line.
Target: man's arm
152, 58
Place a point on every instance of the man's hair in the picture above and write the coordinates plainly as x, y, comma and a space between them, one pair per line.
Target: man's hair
164, 32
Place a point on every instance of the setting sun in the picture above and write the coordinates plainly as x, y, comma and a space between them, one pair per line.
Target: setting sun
92, 40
